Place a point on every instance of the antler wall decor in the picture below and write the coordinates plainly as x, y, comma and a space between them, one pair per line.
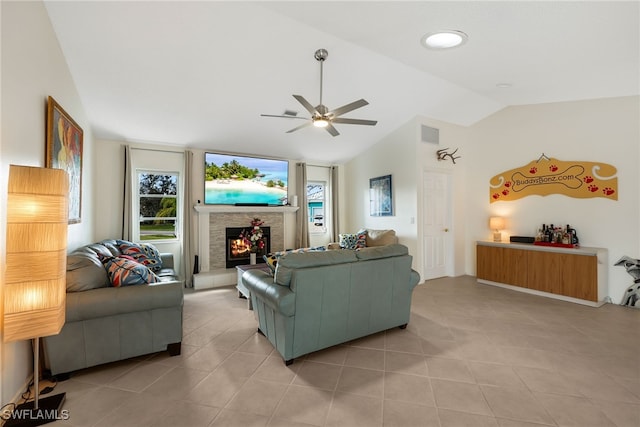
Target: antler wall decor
443, 154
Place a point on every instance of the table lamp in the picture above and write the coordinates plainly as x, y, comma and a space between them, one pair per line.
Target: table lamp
496, 223
34, 285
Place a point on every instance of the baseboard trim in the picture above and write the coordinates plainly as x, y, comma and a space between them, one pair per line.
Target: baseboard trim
543, 294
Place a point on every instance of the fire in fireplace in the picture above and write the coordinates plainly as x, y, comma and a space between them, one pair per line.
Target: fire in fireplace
238, 248
237, 252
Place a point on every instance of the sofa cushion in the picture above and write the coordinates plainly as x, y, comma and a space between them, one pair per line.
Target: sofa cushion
111, 301
96, 249
272, 259
126, 272
381, 237
111, 245
291, 261
377, 252
85, 272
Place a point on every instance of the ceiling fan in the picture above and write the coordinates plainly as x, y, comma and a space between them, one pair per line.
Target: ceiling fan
321, 116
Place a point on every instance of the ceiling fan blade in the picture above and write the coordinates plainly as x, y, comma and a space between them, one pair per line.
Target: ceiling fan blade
354, 121
333, 131
300, 127
349, 107
310, 108
284, 117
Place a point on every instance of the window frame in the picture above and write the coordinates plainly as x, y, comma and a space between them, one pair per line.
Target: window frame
136, 208
313, 229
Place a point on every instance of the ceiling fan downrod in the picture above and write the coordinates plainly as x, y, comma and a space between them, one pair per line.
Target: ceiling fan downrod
321, 55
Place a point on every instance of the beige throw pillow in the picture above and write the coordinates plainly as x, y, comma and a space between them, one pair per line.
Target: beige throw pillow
381, 237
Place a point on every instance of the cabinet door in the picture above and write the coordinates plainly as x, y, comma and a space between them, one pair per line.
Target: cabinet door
580, 276
514, 267
543, 272
489, 263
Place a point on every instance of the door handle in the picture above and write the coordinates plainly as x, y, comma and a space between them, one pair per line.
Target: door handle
446, 230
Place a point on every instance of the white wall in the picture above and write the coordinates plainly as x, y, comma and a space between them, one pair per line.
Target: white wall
605, 130
395, 155
33, 68
109, 185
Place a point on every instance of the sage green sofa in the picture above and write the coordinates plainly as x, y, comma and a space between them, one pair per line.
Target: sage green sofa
105, 324
317, 300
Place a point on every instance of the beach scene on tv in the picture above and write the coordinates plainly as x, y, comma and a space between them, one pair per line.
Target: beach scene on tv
231, 179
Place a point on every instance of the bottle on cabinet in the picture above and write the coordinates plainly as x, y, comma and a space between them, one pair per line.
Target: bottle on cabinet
556, 235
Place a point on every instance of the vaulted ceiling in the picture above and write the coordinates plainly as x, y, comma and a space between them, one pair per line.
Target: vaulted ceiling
199, 74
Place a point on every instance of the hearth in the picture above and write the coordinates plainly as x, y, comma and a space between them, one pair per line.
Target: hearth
237, 253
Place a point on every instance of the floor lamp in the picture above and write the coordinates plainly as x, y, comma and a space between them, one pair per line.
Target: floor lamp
34, 285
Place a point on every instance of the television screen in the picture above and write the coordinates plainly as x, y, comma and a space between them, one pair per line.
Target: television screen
231, 179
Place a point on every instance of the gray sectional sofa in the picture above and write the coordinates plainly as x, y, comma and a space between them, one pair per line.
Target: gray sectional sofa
105, 323
319, 299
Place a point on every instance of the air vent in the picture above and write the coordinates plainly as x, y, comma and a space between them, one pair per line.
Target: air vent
430, 135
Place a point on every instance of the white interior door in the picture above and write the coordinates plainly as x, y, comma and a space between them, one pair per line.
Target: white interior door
437, 220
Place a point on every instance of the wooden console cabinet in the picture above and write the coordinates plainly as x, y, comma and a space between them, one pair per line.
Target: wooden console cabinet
572, 274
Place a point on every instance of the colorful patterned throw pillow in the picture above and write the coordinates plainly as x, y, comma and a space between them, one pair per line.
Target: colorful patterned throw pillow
348, 240
361, 239
125, 272
272, 261
144, 253
353, 240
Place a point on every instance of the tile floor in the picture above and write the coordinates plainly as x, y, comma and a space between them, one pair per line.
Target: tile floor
473, 355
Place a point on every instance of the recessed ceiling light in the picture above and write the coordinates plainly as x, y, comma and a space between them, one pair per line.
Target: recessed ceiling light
446, 39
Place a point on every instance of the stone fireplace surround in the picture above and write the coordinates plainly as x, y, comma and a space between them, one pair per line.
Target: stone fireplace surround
212, 221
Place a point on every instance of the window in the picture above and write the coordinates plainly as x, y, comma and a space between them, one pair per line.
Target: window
158, 201
316, 206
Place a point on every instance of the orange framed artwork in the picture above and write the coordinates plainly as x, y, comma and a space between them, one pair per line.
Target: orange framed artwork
64, 151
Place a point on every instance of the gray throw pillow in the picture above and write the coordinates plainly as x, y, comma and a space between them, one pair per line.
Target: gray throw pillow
85, 273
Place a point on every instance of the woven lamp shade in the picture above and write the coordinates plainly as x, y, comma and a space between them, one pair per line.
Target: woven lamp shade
35, 277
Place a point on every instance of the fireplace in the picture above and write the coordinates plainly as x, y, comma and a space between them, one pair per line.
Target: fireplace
237, 253
212, 221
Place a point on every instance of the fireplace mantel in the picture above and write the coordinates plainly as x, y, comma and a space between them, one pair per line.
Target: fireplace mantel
211, 276
206, 209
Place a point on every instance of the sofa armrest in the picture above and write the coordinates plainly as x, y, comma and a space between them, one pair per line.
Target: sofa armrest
278, 297
167, 260
415, 278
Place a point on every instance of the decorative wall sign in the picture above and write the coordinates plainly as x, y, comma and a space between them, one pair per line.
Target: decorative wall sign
64, 151
552, 176
380, 196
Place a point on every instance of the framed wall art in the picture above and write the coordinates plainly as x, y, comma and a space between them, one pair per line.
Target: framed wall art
64, 151
380, 196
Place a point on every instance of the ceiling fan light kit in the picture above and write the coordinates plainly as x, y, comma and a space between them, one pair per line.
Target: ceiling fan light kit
320, 123
321, 116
